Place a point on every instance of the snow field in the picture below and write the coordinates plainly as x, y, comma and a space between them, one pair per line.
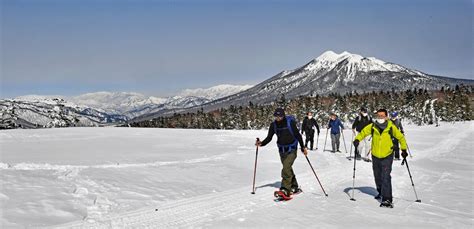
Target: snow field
162, 178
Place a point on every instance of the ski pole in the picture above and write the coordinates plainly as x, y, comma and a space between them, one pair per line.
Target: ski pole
316, 175
412, 184
368, 153
409, 151
352, 139
326, 139
255, 168
354, 175
317, 141
344, 140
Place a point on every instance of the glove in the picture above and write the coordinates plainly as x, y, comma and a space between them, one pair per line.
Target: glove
404, 153
356, 143
305, 151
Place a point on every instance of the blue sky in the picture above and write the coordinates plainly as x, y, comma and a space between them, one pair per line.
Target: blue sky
158, 47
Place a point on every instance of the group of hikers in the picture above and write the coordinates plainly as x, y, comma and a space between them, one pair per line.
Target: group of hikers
386, 136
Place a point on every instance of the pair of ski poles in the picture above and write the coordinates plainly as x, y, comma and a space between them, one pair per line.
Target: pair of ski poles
255, 171
343, 140
403, 162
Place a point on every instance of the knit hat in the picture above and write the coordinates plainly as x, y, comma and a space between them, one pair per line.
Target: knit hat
279, 112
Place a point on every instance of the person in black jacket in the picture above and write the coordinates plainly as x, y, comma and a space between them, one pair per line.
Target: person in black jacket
288, 138
359, 123
398, 124
308, 123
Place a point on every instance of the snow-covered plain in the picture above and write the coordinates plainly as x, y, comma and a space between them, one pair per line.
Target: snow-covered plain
168, 178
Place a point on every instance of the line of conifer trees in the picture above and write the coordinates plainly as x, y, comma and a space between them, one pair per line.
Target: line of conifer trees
417, 106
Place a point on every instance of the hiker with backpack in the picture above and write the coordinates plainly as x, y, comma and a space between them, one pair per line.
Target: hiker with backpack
398, 124
382, 132
288, 137
335, 125
359, 123
308, 127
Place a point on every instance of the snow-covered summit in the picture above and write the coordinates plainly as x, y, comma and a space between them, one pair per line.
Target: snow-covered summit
38, 98
351, 64
215, 92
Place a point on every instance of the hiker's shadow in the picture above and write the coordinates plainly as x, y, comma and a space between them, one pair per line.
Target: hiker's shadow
277, 184
367, 190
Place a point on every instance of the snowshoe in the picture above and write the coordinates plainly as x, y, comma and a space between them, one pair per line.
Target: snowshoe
386, 204
281, 195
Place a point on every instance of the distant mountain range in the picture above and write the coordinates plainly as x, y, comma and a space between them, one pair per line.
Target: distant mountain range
329, 73
54, 112
100, 108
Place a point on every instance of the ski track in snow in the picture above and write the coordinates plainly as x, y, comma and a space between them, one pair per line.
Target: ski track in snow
206, 208
68, 169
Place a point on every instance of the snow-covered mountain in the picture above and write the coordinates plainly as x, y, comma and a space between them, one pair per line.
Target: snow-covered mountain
115, 102
335, 73
39, 111
134, 104
99, 108
215, 92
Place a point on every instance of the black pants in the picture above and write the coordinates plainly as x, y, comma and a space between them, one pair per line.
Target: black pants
309, 138
382, 168
396, 148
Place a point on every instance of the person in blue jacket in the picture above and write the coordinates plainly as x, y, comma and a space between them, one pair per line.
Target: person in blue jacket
335, 125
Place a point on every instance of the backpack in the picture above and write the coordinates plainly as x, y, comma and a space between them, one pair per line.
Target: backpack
286, 148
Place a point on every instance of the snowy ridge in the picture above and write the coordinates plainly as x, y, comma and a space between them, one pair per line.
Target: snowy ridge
99, 108
135, 104
115, 102
215, 92
50, 113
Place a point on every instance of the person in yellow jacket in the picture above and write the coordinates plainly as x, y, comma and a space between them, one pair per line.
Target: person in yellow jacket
382, 132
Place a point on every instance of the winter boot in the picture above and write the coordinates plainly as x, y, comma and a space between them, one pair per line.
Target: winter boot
296, 190
386, 204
